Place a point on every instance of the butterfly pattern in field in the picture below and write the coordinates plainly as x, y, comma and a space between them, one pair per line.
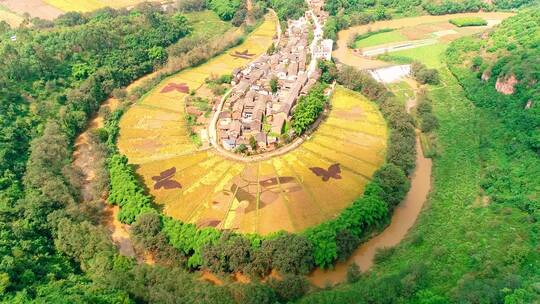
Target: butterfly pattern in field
244, 55
332, 172
180, 87
164, 180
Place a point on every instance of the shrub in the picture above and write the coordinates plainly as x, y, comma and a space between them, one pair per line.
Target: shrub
126, 191
230, 253
353, 273
424, 75
468, 21
429, 123
253, 293
291, 253
289, 288
393, 182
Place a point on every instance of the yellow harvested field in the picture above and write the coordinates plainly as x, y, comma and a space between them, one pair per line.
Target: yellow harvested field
281, 193
90, 5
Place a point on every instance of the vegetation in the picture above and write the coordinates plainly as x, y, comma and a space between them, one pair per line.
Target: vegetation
374, 9
288, 9
500, 58
274, 84
476, 243
423, 74
344, 14
309, 108
54, 251
468, 21
51, 81
78, 68
225, 9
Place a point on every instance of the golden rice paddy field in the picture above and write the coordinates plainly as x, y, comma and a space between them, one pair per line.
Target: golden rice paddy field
281, 193
90, 5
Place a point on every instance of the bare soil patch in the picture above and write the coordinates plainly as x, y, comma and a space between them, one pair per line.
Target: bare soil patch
36, 8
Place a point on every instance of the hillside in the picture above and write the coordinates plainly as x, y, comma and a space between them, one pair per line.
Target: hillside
502, 71
476, 240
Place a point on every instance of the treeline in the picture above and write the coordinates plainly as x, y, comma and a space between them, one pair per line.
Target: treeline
288, 9
345, 19
309, 108
235, 11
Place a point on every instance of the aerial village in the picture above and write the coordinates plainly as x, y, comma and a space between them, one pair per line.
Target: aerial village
256, 116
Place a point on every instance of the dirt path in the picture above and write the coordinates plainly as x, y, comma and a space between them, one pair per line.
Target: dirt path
403, 219
347, 56
84, 160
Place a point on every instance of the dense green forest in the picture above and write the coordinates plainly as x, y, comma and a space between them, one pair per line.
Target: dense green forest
477, 241
63, 73
513, 50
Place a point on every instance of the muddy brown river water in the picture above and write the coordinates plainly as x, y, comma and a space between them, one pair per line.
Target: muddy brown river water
403, 219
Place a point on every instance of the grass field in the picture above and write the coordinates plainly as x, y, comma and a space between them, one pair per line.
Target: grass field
382, 38
281, 193
90, 5
428, 54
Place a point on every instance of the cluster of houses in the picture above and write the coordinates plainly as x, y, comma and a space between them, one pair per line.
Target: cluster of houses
255, 116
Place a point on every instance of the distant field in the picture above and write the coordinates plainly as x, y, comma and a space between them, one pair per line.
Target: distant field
412, 28
382, 38
10, 17
90, 5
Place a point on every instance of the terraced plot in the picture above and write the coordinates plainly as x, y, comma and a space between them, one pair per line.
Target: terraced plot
291, 192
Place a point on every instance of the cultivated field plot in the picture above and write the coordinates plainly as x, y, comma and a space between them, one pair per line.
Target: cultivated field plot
291, 192
409, 33
90, 5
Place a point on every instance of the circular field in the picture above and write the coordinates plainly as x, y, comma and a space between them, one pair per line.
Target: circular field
291, 192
